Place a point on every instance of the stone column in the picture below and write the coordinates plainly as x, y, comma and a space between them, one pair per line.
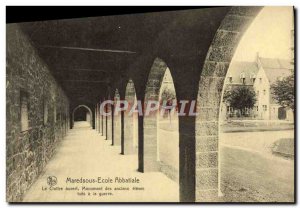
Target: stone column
99, 119
112, 125
128, 134
117, 129
150, 144
103, 126
96, 117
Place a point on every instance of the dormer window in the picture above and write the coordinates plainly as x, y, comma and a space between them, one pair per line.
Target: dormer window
243, 77
252, 77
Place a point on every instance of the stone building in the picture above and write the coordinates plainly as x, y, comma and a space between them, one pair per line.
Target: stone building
271, 70
259, 76
56, 67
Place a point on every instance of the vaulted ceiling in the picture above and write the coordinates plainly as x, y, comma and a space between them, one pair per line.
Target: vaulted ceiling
88, 54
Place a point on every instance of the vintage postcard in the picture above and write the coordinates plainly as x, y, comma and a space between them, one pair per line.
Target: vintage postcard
174, 106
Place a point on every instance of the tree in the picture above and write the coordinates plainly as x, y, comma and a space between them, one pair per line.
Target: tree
168, 98
283, 92
240, 97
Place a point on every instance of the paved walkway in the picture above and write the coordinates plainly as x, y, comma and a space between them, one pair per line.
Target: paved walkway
85, 154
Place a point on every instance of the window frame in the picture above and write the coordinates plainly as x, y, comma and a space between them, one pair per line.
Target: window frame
24, 95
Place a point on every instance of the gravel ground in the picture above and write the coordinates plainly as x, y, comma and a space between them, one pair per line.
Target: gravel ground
250, 177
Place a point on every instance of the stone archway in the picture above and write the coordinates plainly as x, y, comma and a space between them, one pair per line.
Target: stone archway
152, 93
209, 98
130, 141
90, 119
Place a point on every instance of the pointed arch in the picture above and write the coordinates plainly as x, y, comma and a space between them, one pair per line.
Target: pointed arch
152, 93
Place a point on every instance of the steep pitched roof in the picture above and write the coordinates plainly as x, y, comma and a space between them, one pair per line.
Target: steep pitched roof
275, 63
276, 68
236, 68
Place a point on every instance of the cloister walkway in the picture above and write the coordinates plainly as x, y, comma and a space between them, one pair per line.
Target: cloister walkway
83, 153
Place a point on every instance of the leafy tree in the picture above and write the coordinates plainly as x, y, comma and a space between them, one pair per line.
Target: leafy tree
167, 93
240, 97
283, 92
168, 97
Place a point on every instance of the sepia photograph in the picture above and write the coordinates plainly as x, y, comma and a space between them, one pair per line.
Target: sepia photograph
150, 105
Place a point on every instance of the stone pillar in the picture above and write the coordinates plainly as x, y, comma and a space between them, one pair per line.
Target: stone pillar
99, 119
128, 134
141, 144
112, 125
211, 84
93, 115
103, 126
96, 117
155, 77
117, 129
128, 119
108, 124
187, 158
122, 132
150, 144
207, 124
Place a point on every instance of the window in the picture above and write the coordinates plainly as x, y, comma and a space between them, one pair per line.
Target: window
54, 112
264, 92
24, 110
265, 108
243, 80
228, 109
256, 108
243, 77
257, 92
230, 79
252, 77
45, 113
260, 80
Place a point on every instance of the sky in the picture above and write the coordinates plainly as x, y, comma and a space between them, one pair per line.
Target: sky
269, 35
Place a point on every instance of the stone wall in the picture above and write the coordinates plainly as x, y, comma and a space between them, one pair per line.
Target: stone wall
28, 151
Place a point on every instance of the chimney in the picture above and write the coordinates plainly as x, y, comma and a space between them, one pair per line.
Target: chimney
292, 47
257, 59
